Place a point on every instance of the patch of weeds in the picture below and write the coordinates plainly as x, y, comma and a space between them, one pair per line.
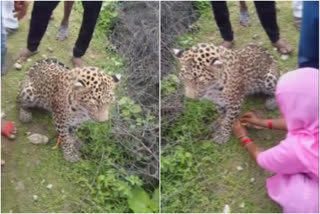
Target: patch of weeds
169, 85
110, 187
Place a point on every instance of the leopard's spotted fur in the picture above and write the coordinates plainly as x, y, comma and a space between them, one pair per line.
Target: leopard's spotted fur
72, 95
225, 77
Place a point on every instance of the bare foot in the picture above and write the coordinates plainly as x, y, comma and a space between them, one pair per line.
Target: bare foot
244, 19
283, 47
63, 32
77, 62
25, 54
227, 44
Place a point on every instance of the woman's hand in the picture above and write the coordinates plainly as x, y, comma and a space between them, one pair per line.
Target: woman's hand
239, 131
251, 118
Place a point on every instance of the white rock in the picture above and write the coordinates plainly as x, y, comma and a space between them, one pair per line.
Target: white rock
252, 180
17, 66
29, 60
50, 49
49, 186
255, 36
284, 57
239, 168
241, 205
275, 49
226, 209
28, 133
38, 139
44, 56
35, 197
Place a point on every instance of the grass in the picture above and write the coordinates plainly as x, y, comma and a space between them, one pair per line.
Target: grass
200, 176
30, 168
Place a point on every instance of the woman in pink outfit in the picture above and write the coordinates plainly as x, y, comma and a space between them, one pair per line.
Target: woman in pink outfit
295, 160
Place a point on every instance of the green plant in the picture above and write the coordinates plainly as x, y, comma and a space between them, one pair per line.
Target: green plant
201, 5
140, 202
128, 109
107, 17
185, 41
169, 85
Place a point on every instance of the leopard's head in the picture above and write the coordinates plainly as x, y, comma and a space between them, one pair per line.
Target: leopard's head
93, 91
200, 67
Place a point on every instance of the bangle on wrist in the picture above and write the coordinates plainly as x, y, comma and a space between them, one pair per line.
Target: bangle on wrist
269, 121
246, 141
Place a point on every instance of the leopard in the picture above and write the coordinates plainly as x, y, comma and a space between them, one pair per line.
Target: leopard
225, 77
73, 96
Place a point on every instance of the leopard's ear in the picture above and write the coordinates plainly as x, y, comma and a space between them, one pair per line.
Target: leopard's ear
79, 84
116, 78
177, 52
216, 63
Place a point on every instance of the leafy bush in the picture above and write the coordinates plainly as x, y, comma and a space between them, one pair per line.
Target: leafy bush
201, 5
107, 17
169, 84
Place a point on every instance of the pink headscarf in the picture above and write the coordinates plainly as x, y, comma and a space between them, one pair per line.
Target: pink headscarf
297, 95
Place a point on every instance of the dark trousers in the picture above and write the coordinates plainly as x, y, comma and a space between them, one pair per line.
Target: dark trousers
266, 11
40, 17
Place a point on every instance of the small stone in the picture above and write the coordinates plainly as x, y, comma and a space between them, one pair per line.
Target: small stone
50, 49
49, 186
260, 43
35, 197
38, 139
28, 133
275, 49
255, 36
239, 168
17, 66
241, 205
252, 180
284, 57
29, 60
212, 38
226, 209
3, 115
44, 56
19, 186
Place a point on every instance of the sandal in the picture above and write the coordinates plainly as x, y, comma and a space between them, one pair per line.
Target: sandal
9, 131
